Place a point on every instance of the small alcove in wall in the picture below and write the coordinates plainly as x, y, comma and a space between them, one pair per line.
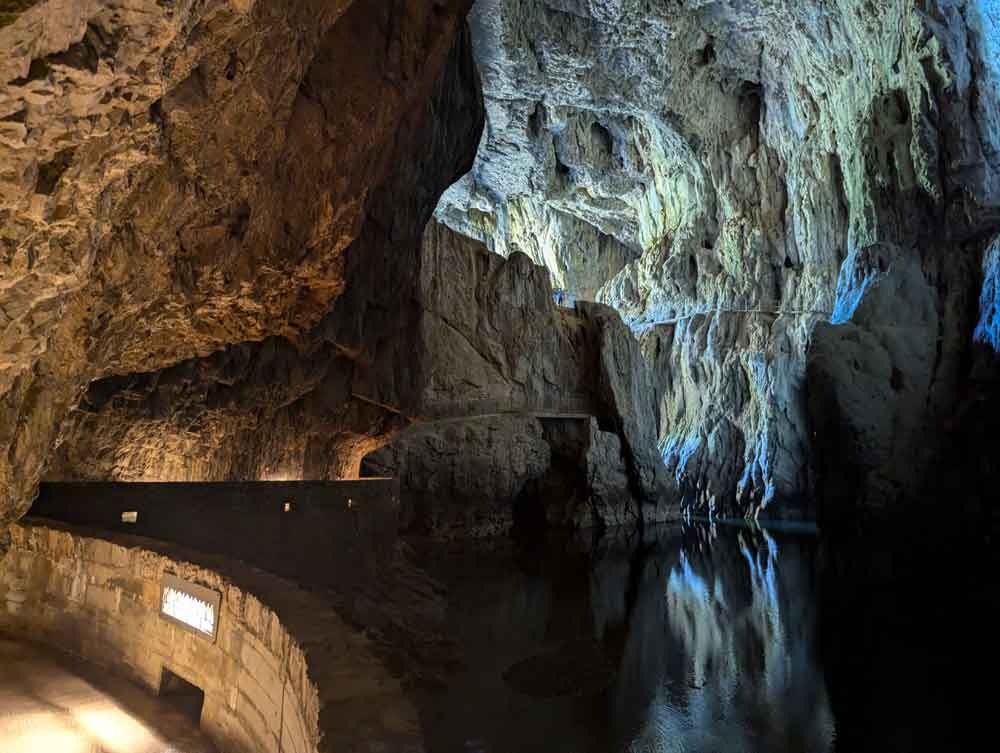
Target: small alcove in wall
184, 696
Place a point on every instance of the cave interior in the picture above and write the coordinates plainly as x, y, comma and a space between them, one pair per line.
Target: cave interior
626, 367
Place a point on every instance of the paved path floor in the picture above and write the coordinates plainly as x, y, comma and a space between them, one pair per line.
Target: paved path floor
53, 704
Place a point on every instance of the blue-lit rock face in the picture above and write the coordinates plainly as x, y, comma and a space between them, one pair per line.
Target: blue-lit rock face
728, 175
988, 328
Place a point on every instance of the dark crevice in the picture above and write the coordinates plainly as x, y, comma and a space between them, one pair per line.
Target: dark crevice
707, 56
50, 172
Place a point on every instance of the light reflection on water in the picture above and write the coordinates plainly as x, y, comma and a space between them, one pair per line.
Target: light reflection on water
711, 631
718, 639
733, 668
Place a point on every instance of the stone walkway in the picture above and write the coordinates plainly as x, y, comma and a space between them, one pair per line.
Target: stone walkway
52, 704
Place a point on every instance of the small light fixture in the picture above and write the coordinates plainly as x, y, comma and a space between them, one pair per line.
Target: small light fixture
287, 507
350, 504
130, 516
192, 606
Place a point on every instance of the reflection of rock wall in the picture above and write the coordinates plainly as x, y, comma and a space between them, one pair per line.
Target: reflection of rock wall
712, 633
740, 654
724, 175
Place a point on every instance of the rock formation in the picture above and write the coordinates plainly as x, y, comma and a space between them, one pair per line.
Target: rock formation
528, 409
884, 383
212, 241
313, 405
727, 175
459, 341
178, 179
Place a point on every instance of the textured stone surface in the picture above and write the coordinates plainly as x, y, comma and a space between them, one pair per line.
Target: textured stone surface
515, 390
212, 214
883, 385
727, 174
478, 345
285, 671
461, 477
177, 178
309, 407
491, 337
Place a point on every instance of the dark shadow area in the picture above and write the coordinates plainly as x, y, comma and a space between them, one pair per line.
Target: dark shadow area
326, 533
184, 696
713, 639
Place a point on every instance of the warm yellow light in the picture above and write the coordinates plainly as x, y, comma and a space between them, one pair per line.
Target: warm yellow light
38, 732
116, 731
45, 707
94, 725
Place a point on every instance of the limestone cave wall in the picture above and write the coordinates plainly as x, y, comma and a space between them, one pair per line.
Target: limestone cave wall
185, 189
461, 352
214, 264
731, 175
530, 412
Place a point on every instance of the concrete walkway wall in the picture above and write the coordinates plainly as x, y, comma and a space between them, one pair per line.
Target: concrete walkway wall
284, 673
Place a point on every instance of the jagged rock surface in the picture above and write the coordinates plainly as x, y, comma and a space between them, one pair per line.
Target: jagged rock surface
429, 327
212, 212
441, 333
534, 410
724, 174
179, 177
311, 407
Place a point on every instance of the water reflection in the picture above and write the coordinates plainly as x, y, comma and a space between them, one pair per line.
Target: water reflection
717, 639
720, 654
712, 630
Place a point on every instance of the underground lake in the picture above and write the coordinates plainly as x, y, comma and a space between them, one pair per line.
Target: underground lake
716, 638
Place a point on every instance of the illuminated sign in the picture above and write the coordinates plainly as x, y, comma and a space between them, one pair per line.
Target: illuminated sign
189, 605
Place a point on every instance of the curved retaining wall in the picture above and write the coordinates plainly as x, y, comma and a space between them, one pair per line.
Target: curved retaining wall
286, 676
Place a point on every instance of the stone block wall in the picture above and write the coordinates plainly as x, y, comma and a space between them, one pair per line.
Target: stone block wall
284, 674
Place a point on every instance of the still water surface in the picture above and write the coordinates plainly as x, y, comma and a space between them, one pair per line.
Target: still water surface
712, 639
